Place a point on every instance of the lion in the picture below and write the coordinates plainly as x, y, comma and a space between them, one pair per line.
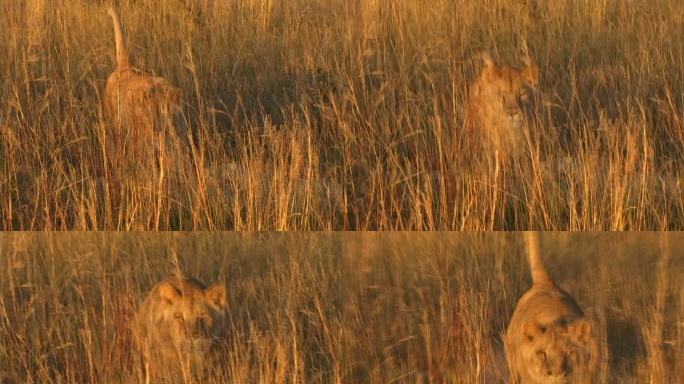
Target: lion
498, 103
177, 325
138, 105
549, 339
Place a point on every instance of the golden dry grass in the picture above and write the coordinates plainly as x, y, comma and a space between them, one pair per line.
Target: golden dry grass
326, 114
335, 308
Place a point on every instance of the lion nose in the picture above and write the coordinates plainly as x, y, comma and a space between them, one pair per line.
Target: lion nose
201, 327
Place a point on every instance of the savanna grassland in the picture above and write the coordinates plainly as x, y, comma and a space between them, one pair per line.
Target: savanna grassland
332, 114
335, 308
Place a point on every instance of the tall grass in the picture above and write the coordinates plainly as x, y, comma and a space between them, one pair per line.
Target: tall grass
331, 114
335, 308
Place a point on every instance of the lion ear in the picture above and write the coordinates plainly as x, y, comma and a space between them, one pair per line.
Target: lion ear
487, 59
169, 293
489, 70
216, 294
580, 331
533, 329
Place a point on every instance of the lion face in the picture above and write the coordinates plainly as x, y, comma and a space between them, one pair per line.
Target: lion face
499, 102
194, 316
553, 353
505, 91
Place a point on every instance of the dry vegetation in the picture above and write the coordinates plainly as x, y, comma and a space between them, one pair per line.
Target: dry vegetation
325, 114
334, 308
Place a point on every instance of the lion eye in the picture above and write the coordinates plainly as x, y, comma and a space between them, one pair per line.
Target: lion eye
541, 355
178, 316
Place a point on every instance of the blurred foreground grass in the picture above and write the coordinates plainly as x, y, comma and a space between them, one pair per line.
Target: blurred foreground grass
338, 307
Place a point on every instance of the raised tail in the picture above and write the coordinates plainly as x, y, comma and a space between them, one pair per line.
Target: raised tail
121, 51
539, 273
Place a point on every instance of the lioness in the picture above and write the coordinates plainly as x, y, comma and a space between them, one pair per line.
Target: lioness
137, 104
497, 106
177, 324
549, 340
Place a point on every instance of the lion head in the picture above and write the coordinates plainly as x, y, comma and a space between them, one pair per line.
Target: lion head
499, 101
192, 314
554, 353
504, 91
164, 96
180, 318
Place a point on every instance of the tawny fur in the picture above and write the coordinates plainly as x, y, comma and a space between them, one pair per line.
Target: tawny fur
498, 105
178, 324
549, 339
138, 105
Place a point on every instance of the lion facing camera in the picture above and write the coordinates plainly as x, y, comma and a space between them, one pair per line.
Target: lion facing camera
178, 324
549, 339
498, 105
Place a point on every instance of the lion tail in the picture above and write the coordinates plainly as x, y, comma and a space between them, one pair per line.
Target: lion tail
539, 273
122, 60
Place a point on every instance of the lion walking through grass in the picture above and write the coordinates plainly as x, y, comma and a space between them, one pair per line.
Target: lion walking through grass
143, 148
549, 339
